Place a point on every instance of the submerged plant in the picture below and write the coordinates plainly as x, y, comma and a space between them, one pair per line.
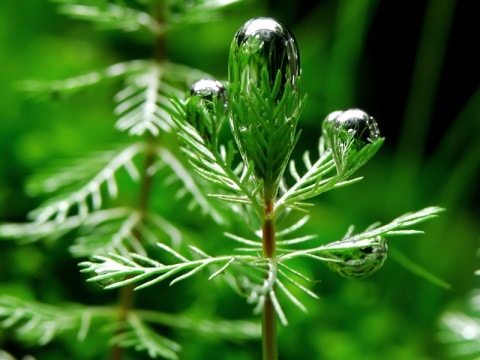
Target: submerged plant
251, 180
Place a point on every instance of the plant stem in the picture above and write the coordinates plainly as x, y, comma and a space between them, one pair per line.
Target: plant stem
126, 300
126, 297
268, 231
269, 330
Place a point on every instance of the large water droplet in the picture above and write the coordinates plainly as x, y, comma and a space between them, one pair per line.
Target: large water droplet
359, 262
263, 43
207, 106
347, 132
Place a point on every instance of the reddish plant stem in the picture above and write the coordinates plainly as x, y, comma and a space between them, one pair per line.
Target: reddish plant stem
269, 330
268, 231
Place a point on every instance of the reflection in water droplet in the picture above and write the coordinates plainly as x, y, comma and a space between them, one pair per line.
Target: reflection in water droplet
347, 132
263, 44
360, 262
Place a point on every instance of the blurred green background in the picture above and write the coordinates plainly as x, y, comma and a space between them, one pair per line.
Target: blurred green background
411, 65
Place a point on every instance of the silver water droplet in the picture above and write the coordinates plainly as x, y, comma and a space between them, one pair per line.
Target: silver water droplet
207, 107
359, 262
263, 44
209, 90
347, 132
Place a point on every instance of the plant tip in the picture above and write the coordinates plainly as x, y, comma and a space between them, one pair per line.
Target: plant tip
209, 90
360, 262
263, 44
206, 107
348, 132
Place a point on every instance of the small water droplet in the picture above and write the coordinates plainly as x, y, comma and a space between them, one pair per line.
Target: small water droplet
209, 90
263, 43
347, 132
207, 107
359, 262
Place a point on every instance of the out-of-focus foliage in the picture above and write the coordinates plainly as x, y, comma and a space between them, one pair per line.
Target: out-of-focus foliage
460, 328
411, 66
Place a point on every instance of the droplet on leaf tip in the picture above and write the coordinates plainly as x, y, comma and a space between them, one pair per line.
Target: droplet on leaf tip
347, 132
209, 90
206, 111
352, 121
359, 263
263, 44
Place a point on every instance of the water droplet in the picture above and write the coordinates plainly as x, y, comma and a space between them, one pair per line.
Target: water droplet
347, 132
263, 43
359, 262
209, 90
207, 107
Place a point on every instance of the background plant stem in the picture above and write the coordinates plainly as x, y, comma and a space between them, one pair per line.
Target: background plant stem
127, 294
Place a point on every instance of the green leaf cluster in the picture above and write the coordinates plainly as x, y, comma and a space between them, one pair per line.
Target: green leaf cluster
265, 129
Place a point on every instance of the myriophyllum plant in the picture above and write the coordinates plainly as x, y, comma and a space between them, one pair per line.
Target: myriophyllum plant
263, 108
